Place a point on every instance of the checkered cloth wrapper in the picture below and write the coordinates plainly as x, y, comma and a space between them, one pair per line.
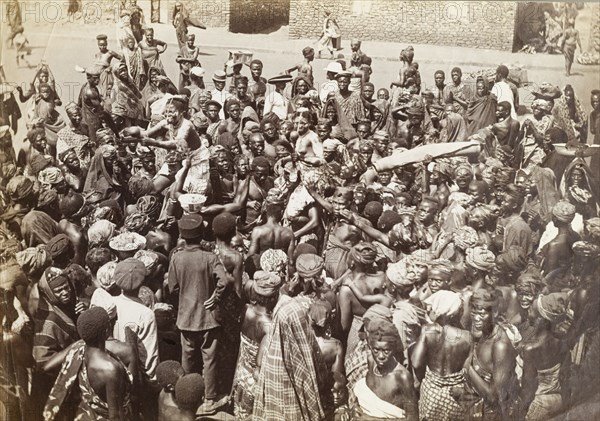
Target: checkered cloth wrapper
291, 376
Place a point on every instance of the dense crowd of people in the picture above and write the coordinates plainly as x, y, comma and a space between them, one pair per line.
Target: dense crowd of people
277, 250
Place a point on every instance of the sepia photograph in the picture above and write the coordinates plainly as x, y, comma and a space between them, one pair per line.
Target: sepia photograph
299, 210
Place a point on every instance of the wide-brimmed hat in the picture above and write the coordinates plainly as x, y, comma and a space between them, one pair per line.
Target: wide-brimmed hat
280, 79
334, 67
345, 73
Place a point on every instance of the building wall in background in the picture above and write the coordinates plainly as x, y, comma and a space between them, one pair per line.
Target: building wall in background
489, 25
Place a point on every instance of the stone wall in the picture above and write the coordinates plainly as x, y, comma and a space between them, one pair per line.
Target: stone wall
212, 13
488, 25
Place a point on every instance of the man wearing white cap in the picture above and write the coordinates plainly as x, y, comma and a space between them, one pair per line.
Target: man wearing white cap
196, 85
330, 85
219, 94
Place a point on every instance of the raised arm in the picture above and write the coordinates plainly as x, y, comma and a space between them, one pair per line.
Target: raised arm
319, 199
313, 222
239, 201
374, 233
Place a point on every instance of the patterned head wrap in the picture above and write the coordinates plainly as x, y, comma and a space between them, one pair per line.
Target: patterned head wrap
586, 249
528, 284
273, 260
543, 104
402, 274
50, 176
378, 311
465, 237
148, 205
105, 275
47, 197
58, 245
100, 232
564, 211
309, 265
107, 151
105, 136
137, 222
266, 284
148, 258
592, 229
33, 260
480, 258
463, 169
553, 306
442, 266
19, 187
381, 330
71, 107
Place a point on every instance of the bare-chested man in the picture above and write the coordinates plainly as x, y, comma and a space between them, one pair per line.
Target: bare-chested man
102, 377
387, 391
91, 102
272, 235
438, 358
490, 369
342, 235
367, 281
260, 183
506, 128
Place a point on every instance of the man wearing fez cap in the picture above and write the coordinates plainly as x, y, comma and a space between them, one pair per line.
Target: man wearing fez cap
201, 279
129, 276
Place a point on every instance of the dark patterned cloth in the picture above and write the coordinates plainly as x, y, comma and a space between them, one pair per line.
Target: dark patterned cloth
74, 373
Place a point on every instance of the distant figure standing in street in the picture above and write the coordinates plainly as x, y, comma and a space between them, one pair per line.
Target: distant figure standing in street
569, 44
181, 21
331, 33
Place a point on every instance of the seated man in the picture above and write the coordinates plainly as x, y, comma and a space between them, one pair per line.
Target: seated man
387, 392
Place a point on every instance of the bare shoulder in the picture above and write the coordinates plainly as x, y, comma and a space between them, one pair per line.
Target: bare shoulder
403, 377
